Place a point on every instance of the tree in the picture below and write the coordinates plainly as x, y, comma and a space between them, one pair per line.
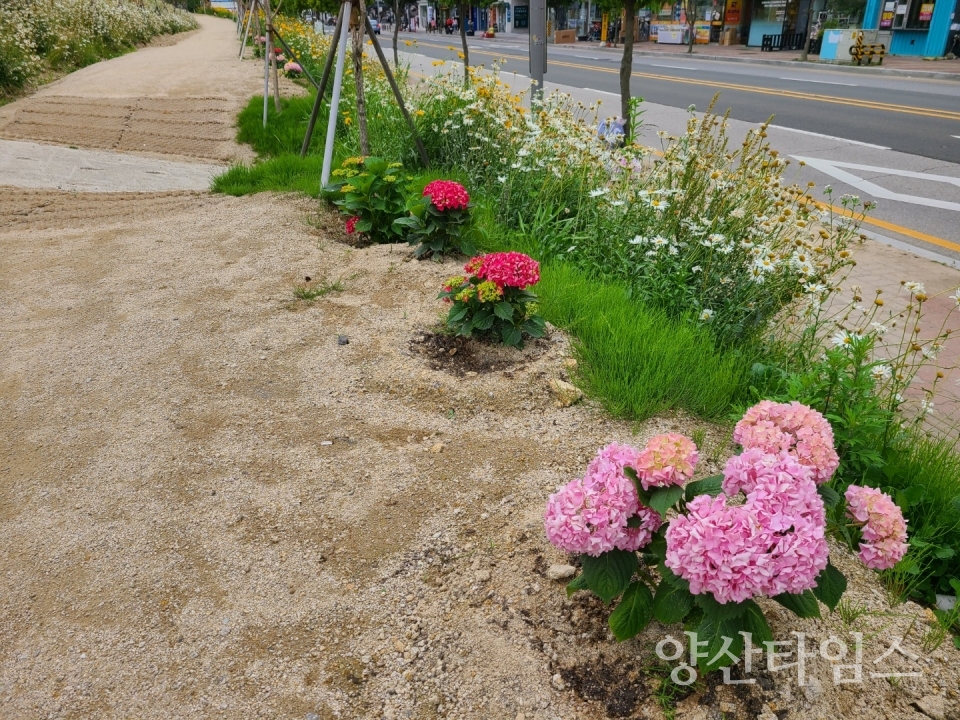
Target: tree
690, 8
399, 6
629, 10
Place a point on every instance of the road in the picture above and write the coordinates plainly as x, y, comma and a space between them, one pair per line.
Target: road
891, 139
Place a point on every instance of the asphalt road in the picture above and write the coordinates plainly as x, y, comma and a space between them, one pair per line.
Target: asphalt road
888, 139
911, 115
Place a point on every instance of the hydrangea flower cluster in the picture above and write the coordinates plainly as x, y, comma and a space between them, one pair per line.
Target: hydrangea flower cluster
589, 515
292, 68
794, 428
773, 543
506, 269
666, 460
351, 224
446, 194
883, 526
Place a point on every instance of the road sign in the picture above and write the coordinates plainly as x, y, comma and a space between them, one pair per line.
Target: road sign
605, 25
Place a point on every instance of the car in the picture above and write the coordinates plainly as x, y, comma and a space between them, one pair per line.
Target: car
375, 24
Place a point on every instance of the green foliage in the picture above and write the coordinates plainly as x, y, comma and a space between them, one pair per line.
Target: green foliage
480, 308
635, 359
801, 604
633, 613
435, 233
370, 189
609, 574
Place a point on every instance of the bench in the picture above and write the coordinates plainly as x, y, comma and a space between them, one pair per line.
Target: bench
785, 41
863, 51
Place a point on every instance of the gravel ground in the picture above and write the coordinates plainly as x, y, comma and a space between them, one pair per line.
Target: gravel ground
219, 501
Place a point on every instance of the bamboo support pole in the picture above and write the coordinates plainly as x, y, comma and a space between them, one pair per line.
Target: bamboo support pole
322, 88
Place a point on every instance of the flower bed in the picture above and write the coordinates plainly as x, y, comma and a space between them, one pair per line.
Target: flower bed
63, 35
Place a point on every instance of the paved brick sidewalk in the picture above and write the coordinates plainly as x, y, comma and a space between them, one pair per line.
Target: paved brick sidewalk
883, 267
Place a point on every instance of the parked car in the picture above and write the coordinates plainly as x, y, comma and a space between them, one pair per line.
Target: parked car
375, 24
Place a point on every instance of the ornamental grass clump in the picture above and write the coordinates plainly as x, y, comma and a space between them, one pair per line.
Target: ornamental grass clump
440, 220
492, 299
703, 557
370, 192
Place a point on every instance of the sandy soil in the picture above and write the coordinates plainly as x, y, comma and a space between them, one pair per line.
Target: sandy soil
178, 98
213, 506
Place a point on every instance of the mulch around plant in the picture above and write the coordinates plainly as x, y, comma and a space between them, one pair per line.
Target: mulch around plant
461, 356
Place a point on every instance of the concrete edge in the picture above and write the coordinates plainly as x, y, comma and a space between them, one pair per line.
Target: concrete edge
911, 248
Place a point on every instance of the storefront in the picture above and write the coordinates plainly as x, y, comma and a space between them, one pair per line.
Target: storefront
777, 17
915, 27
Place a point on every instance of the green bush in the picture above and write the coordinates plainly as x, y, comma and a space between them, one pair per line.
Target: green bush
371, 192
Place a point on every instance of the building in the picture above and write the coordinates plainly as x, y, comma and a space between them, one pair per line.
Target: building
912, 27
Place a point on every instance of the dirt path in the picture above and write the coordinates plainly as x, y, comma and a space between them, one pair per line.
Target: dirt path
213, 506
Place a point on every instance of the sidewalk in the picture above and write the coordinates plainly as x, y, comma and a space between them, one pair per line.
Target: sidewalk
941, 69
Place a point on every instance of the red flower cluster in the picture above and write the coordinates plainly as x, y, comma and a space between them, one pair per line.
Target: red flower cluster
352, 224
510, 269
447, 194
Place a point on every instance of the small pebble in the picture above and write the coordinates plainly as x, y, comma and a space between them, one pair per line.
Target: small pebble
343, 340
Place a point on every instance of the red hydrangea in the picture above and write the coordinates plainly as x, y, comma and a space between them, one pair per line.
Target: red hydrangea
352, 224
447, 194
506, 269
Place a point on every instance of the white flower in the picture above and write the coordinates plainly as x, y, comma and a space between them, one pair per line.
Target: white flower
501, 178
827, 189
638, 240
706, 314
616, 203
673, 250
881, 330
598, 192
660, 241
844, 338
956, 298
696, 269
738, 213
659, 204
880, 372
523, 152
914, 287
926, 408
516, 166
932, 351
571, 248
716, 238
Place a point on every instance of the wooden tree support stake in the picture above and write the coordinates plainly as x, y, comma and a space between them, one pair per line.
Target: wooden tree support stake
322, 88
293, 56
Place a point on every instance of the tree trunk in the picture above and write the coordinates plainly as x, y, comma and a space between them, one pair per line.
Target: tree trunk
462, 11
692, 22
358, 78
806, 45
396, 31
626, 63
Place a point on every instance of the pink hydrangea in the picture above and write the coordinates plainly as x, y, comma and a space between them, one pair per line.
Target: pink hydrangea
666, 460
792, 427
773, 543
351, 224
292, 67
506, 269
589, 515
717, 549
883, 526
445, 194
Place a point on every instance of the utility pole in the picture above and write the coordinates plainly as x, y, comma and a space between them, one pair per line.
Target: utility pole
538, 46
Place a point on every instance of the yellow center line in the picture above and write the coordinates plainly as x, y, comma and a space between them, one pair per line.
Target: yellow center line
899, 229
867, 104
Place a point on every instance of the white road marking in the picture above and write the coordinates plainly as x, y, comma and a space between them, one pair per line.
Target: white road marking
956, 136
833, 169
675, 67
822, 82
830, 137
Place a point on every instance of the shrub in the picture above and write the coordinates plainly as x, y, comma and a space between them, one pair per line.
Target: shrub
492, 299
369, 190
713, 558
440, 220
